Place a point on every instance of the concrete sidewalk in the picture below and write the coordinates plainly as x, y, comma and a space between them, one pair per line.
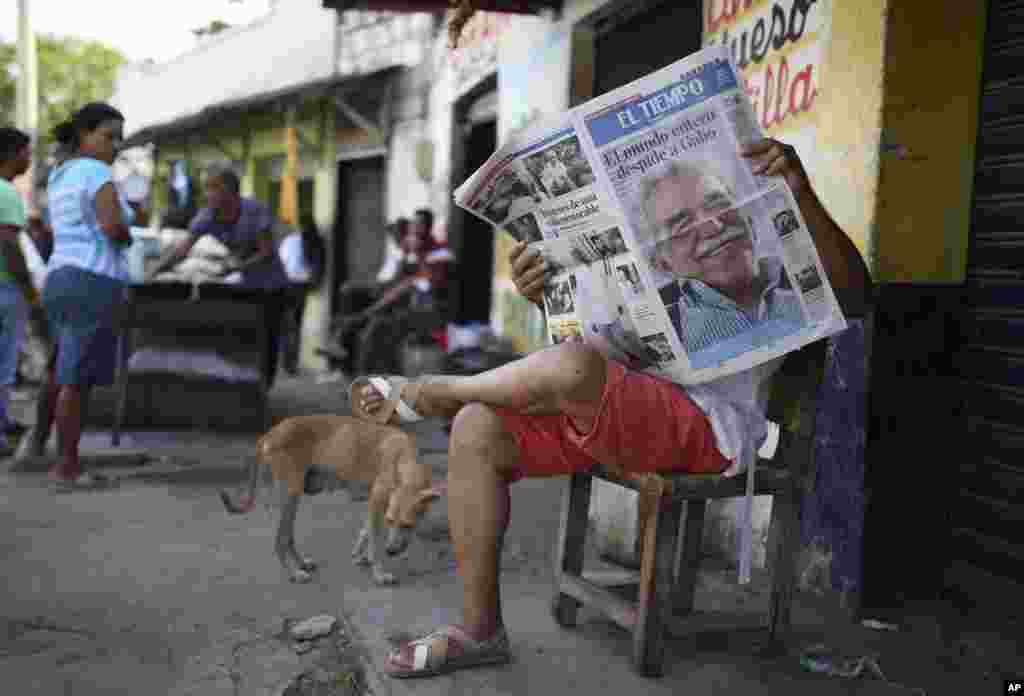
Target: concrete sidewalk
151, 588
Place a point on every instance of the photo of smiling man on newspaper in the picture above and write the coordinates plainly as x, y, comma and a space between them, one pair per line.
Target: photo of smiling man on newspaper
727, 290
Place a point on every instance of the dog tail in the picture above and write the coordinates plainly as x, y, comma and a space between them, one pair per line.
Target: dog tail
248, 501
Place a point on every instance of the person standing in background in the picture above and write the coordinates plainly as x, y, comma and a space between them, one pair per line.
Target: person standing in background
17, 291
86, 279
304, 257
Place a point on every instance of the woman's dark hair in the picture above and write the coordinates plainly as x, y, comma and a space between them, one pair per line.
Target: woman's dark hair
313, 249
12, 141
88, 118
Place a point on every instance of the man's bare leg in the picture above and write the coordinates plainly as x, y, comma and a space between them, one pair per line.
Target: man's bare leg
482, 459
567, 378
483, 456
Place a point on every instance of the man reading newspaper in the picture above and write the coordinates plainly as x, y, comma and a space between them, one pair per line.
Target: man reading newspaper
561, 409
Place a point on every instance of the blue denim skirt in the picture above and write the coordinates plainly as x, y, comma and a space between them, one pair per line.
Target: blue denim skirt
81, 307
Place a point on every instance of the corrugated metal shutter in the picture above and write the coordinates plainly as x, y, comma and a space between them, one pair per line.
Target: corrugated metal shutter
987, 529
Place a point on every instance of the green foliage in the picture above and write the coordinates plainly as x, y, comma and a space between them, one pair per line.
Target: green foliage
72, 72
214, 27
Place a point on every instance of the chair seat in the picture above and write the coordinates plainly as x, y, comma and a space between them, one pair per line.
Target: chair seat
768, 479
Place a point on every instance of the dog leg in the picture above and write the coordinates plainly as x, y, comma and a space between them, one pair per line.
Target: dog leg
284, 546
360, 551
379, 498
302, 562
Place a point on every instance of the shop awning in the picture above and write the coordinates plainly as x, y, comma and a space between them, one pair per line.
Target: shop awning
229, 112
514, 6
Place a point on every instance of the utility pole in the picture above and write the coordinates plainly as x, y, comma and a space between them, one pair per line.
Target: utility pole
28, 88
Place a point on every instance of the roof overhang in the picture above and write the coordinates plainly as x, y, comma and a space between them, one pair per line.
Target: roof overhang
512, 6
228, 112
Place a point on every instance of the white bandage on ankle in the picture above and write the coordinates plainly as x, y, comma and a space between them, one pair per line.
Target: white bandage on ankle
405, 414
420, 656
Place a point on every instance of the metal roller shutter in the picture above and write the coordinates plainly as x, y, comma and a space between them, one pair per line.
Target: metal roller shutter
986, 520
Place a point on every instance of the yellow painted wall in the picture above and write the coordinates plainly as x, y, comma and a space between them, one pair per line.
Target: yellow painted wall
836, 130
844, 166
932, 83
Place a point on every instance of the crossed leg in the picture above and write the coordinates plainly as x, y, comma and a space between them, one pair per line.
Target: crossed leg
567, 379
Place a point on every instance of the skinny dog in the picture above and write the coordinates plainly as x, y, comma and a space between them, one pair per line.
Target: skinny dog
303, 451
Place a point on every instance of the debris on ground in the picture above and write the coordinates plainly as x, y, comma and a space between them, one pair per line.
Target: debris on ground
313, 628
324, 682
820, 659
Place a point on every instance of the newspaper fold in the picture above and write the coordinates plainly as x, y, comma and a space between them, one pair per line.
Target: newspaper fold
670, 255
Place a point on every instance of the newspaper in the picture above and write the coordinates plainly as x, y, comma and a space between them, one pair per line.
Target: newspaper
670, 256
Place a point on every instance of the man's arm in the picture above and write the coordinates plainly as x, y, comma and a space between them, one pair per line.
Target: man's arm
843, 263
391, 296
197, 228
173, 257
15, 260
265, 250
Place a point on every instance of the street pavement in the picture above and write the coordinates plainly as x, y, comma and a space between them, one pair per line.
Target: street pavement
151, 588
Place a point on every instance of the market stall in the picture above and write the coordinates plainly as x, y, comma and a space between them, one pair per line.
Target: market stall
193, 351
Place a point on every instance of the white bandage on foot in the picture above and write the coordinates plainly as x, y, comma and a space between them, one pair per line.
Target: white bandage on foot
420, 656
405, 413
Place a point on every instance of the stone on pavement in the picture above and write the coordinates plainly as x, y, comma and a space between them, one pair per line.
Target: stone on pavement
314, 627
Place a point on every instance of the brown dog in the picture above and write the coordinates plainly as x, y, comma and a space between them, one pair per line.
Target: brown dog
303, 451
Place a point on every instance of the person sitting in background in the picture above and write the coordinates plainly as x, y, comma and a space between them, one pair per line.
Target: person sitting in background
355, 297
17, 291
303, 255
425, 290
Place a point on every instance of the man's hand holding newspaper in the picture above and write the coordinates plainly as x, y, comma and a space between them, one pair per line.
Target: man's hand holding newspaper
530, 272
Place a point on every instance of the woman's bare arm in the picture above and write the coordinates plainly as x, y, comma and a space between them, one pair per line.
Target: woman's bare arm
108, 214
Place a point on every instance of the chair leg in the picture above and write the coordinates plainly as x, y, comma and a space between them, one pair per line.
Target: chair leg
785, 531
572, 538
688, 561
655, 597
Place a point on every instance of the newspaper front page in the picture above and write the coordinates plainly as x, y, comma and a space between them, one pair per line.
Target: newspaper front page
670, 256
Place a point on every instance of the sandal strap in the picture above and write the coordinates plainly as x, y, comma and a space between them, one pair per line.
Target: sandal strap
430, 651
391, 389
433, 650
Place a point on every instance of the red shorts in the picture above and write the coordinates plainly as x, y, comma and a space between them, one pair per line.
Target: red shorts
643, 424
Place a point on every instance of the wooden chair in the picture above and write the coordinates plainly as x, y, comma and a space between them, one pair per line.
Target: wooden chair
670, 553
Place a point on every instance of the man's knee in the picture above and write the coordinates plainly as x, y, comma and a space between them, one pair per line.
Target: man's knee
479, 429
577, 372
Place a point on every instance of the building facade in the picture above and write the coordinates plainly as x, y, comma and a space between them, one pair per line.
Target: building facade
905, 117
882, 101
